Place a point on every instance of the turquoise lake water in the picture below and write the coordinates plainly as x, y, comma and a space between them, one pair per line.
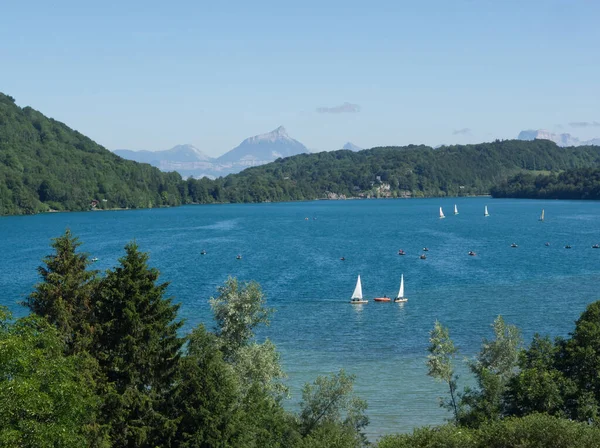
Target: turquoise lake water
297, 262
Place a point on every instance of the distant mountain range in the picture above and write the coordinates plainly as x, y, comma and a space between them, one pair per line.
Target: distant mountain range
190, 161
559, 139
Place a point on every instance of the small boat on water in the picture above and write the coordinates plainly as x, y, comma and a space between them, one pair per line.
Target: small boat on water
95, 259
568, 246
401, 252
596, 246
485, 211
547, 244
514, 245
442, 216
382, 299
455, 209
357, 296
542, 216
400, 298
471, 253
203, 252
423, 257
425, 249
343, 259
239, 257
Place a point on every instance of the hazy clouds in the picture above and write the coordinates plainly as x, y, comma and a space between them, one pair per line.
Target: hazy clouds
341, 109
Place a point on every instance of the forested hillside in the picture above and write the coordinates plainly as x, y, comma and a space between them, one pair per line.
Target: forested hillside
46, 165
581, 183
401, 171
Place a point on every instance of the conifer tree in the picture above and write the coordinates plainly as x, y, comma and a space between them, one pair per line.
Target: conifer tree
137, 347
63, 296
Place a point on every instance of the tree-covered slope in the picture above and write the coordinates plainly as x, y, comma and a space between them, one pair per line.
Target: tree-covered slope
401, 171
46, 165
583, 183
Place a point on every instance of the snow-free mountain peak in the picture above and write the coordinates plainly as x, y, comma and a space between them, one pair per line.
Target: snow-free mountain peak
352, 147
264, 148
277, 134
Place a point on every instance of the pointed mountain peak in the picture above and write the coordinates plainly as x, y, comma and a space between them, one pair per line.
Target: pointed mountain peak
277, 134
352, 147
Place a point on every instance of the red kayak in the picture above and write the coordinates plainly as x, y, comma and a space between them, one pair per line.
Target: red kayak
382, 299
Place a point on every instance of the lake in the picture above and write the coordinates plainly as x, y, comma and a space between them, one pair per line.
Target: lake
297, 261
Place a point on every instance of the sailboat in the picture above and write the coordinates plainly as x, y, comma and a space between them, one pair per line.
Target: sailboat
542, 216
401, 297
485, 213
441, 213
455, 209
357, 297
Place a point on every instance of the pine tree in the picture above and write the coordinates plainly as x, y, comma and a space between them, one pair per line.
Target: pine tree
63, 296
138, 349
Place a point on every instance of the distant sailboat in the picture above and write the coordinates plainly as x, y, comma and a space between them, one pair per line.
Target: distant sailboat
401, 297
542, 216
455, 209
441, 213
357, 296
485, 213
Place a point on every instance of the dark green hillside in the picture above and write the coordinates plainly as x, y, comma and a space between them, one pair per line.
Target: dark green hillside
401, 171
581, 183
46, 165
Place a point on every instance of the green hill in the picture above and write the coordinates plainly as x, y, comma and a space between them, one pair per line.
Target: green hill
582, 183
415, 171
46, 165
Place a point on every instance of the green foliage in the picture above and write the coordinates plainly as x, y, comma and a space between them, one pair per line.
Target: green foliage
238, 310
561, 378
494, 367
46, 165
416, 171
440, 364
137, 347
64, 294
205, 398
539, 386
47, 399
582, 183
330, 401
532, 431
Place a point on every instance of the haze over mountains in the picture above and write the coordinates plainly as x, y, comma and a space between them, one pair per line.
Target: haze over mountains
560, 139
190, 161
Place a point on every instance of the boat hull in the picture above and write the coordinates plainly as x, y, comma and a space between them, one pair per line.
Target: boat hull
402, 300
358, 302
382, 299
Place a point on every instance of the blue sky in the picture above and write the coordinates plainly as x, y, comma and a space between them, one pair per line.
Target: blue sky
150, 75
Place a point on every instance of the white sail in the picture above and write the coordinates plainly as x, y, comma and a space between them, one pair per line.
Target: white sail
358, 290
441, 213
485, 213
542, 217
455, 209
401, 292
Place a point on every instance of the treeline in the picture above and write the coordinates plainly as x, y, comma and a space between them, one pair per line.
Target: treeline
100, 362
414, 171
582, 183
44, 165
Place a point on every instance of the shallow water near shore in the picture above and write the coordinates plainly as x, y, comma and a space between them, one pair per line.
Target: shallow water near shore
297, 261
